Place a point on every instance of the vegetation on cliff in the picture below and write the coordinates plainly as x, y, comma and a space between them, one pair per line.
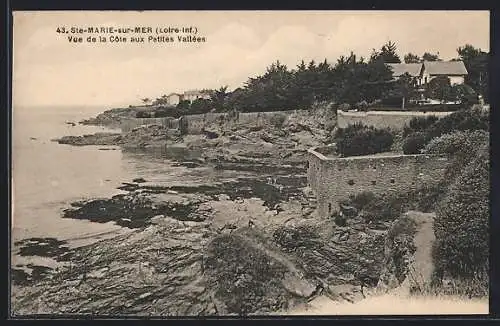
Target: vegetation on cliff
462, 227
358, 139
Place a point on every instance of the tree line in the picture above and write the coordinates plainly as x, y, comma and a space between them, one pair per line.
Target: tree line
351, 80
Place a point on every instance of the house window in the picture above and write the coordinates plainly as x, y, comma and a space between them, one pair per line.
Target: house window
329, 208
374, 182
392, 180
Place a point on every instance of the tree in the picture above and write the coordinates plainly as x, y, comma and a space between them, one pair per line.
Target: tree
146, 100
430, 57
439, 88
184, 105
387, 54
406, 88
412, 58
218, 98
200, 106
476, 61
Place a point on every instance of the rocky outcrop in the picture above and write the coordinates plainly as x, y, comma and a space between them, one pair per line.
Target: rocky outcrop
112, 117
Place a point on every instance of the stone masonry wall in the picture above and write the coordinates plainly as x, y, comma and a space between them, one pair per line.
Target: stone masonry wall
129, 124
335, 179
395, 120
196, 122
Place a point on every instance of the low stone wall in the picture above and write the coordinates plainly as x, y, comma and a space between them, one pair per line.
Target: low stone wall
395, 120
129, 124
335, 179
196, 122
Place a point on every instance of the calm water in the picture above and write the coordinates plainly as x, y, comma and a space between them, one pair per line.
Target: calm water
47, 176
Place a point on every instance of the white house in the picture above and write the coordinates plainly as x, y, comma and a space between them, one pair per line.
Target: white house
454, 70
426, 71
194, 94
174, 99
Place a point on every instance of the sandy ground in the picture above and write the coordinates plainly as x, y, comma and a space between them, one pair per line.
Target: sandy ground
392, 304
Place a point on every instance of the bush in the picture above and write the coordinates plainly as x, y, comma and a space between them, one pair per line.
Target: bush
277, 120
401, 247
462, 223
377, 207
415, 143
362, 140
142, 114
362, 106
419, 124
470, 119
384, 208
340, 220
458, 143
168, 112
462, 146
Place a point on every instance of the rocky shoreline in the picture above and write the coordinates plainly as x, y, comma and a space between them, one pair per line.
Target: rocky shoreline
244, 246
195, 254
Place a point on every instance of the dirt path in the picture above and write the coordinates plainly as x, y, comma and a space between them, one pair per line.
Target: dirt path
421, 267
399, 301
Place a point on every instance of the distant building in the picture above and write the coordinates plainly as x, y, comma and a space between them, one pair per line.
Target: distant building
194, 95
413, 69
454, 70
174, 99
428, 70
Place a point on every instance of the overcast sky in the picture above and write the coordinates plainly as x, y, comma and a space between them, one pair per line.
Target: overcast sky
48, 70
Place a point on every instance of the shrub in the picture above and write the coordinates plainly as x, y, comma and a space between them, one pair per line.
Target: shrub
400, 246
415, 142
340, 220
277, 120
362, 140
461, 145
470, 119
168, 112
362, 106
377, 207
462, 223
385, 207
419, 124
142, 114
458, 143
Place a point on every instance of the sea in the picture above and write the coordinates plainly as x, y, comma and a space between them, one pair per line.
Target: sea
46, 176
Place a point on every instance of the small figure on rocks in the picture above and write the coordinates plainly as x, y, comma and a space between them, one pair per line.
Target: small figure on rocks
251, 224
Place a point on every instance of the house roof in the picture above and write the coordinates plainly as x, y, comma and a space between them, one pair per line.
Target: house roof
445, 67
399, 69
172, 94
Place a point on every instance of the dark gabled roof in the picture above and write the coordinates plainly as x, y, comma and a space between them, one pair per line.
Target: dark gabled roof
445, 68
399, 69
